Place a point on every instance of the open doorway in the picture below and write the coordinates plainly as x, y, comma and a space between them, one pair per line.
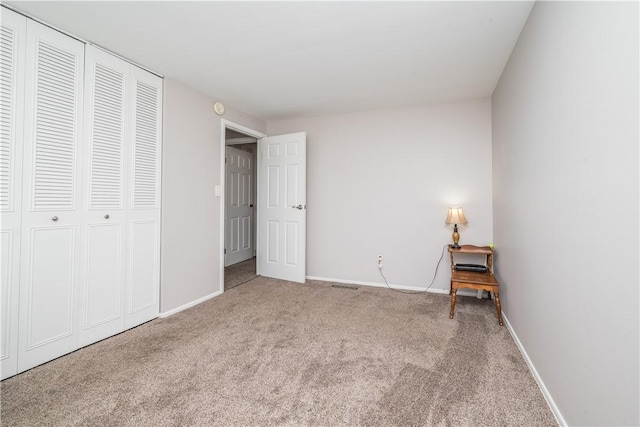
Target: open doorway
240, 206
278, 214
240, 211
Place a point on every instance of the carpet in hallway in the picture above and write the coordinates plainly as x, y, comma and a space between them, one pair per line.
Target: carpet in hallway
239, 273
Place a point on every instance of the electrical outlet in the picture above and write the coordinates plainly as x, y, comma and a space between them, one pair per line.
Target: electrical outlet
379, 261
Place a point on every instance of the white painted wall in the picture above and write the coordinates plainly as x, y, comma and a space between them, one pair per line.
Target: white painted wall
380, 182
565, 184
190, 256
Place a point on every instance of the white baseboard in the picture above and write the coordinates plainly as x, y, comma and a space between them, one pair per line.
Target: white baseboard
462, 292
189, 305
547, 396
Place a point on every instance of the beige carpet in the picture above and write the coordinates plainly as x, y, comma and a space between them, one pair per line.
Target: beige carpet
239, 274
276, 353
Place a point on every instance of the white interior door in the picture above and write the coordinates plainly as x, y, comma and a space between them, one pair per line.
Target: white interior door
51, 203
103, 255
12, 31
282, 207
240, 205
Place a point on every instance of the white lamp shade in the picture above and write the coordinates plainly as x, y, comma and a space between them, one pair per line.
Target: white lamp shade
456, 216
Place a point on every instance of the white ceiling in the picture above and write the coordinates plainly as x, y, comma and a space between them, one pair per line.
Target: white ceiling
281, 59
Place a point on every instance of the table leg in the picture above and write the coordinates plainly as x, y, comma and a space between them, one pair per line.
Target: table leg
453, 302
498, 307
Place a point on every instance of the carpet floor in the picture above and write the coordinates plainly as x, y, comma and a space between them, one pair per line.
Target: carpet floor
271, 352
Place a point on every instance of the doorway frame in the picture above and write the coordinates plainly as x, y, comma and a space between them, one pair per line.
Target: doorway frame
227, 124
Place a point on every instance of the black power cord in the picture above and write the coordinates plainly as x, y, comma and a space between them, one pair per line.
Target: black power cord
421, 291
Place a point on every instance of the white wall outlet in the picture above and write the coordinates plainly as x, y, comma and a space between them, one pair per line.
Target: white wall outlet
379, 261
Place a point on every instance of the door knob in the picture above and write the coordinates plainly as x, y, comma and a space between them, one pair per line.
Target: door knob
106, 216
299, 207
54, 218
251, 205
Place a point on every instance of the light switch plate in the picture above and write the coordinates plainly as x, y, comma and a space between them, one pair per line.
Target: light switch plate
217, 190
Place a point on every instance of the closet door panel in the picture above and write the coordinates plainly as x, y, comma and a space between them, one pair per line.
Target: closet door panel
50, 288
12, 56
7, 310
51, 213
102, 310
143, 213
144, 274
103, 293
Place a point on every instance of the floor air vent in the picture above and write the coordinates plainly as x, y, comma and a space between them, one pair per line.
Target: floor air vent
352, 288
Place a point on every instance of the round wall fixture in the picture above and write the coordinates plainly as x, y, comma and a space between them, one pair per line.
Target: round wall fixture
218, 107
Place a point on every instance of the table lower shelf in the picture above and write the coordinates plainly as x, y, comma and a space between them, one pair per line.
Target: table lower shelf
477, 281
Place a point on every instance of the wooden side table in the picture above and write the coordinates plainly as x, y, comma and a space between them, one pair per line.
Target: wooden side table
474, 280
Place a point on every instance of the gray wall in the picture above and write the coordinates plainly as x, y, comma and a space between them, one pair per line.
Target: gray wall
565, 187
190, 255
380, 182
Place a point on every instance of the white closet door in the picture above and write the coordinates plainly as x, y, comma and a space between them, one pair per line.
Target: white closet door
104, 226
51, 205
12, 45
143, 213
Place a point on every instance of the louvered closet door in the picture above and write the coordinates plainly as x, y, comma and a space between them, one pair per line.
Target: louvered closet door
103, 236
143, 213
12, 44
51, 197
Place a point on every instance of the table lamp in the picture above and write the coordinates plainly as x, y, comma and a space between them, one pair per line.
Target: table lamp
455, 217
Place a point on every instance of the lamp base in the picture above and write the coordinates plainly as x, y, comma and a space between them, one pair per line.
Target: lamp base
456, 237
